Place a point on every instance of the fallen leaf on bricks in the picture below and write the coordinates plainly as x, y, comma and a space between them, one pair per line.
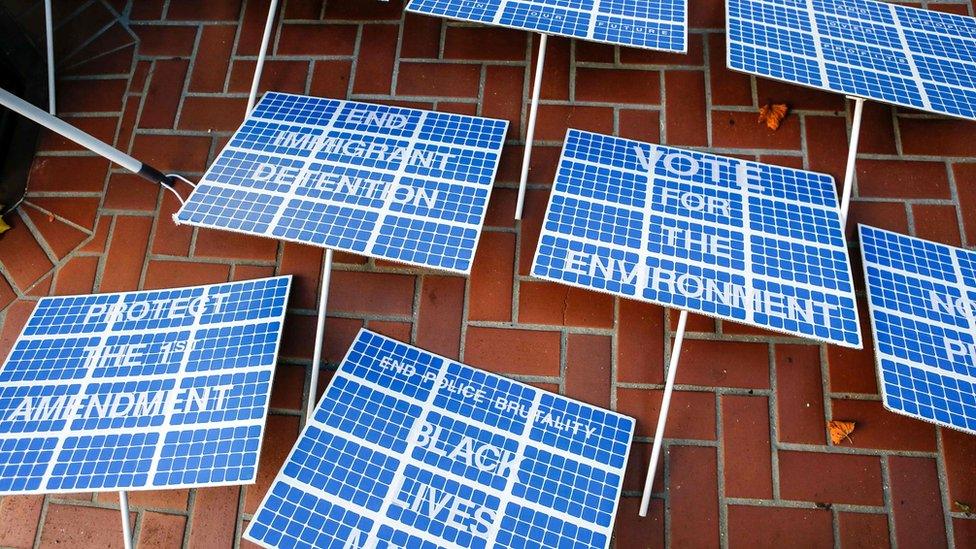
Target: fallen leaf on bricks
839, 430
964, 507
772, 115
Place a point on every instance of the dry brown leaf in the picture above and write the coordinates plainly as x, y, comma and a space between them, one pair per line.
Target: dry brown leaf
50, 218
3, 226
964, 507
772, 115
839, 430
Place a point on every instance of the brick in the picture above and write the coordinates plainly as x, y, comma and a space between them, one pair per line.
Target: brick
863, 530
375, 64
68, 174
640, 347
554, 120
959, 450
228, 10
386, 11
21, 255
330, 78
636, 472
7, 294
76, 276
252, 28
421, 36
798, 97
214, 517
693, 497
279, 436
163, 531
174, 500
168, 41
484, 43
706, 15
100, 127
687, 121
288, 388
13, 322
278, 75
877, 129
315, 39
556, 81
503, 96
799, 390
297, 342
965, 176
632, 530
630, 86
128, 191
232, 245
163, 96
492, 278
640, 125
642, 56
754, 526
210, 70
376, 293
305, 263
179, 153
813, 476
18, 520
441, 315
936, 137
965, 532
937, 222
170, 238
739, 130
827, 146
916, 502
77, 526
725, 364
884, 215
501, 208
126, 253
728, 87
399, 331
523, 352
170, 274
881, 429
251, 272
42, 287
691, 416
100, 238
212, 114
451, 80
748, 465
147, 9
130, 117
588, 368
562, 305
902, 179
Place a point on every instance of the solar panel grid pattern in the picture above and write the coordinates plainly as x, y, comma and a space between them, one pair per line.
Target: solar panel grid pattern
654, 24
748, 242
397, 453
921, 297
164, 389
886, 52
392, 183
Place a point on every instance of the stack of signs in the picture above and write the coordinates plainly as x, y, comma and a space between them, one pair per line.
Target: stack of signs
409, 449
140, 390
651, 24
744, 241
401, 184
921, 296
887, 52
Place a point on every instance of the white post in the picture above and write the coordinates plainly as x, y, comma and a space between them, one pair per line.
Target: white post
49, 29
845, 202
662, 418
530, 131
319, 334
259, 68
126, 528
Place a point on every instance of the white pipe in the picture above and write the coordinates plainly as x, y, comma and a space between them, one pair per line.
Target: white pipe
49, 29
126, 528
319, 334
530, 131
259, 68
662, 418
845, 202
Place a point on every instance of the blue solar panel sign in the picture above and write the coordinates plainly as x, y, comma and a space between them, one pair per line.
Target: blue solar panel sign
409, 449
649, 24
921, 296
744, 241
886, 52
393, 183
140, 390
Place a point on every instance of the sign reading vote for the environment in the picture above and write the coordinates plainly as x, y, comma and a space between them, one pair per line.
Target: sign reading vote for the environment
754, 243
922, 297
883, 51
139, 390
409, 449
651, 24
401, 184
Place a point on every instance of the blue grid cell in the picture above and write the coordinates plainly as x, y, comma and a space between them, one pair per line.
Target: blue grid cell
293, 518
23, 462
239, 396
595, 221
262, 136
284, 107
525, 527
689, 241
461, 204
242, 301
52, 359
498, 403
82, 314
582, 430
209, 455
479, 455
589, 265
568, 486
430, 243
239, 346
36, 408
98, 462
803, 263
378, 119
367, 414
818, 226
393, 365
122, 405
229, 208
327, 225
927, 395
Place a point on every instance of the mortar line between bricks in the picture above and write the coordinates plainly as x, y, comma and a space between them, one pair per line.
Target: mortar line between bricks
723, 509
957, 205
799, 504
773, 409
188, 77
239, 515
418, 286
41, 241
103, 259
886, 494
357, 49
191, 504
940, 467
41, 520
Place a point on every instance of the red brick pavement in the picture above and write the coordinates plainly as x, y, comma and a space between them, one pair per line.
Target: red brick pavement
747, 459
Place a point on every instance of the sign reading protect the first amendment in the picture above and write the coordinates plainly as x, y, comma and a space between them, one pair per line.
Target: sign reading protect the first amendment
753, 243
410, 449
922, 297
393, 183
140, 390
